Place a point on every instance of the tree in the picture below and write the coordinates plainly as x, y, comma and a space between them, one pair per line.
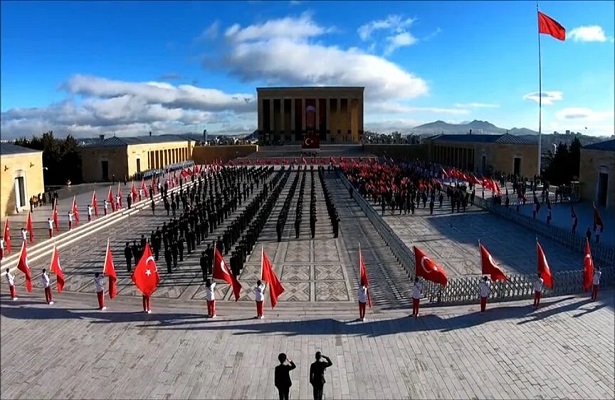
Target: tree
563, 166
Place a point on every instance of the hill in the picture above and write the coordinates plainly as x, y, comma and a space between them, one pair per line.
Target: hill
477, 127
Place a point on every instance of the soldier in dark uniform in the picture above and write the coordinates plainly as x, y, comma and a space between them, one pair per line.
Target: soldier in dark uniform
128, 255
278, 229
174, 253
168, 258
313, 224
129, 200
297, 227
143, 241
336, 225
209, 251
204, 263
180, 248
135, 252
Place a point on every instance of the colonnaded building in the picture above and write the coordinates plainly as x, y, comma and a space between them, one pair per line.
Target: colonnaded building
286, 114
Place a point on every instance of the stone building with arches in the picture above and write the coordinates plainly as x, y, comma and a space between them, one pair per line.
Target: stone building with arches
22, 177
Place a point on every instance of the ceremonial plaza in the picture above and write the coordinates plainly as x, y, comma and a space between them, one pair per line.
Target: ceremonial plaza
299, 247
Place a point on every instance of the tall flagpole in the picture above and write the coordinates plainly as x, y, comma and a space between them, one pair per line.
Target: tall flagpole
539, 98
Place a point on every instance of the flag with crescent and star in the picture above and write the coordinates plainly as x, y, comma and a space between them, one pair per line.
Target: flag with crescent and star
543, 266
428, 269
56, 268
488, 265
221, 271
588, 267
146, 276
268, 275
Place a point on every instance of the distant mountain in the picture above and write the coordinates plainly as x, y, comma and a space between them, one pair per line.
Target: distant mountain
477, 127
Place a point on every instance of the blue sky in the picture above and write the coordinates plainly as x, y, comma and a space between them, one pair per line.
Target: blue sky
128, 68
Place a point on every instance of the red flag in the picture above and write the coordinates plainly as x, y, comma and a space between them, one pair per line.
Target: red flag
146, 276
110, 199
597, 218
29, 227
95, 203
428, 269
7, 236
109, 270
588, 267
221, 271
551, 27
543, 267
364, 278
134, 193
268, 275
75, 210
56, 218
144, 188
23, 266
56, 268
489, 267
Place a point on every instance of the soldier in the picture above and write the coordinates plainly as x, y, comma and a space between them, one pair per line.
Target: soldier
204, 263
278, 229
180, 248
143, 241
135, 252
336, 225
174, 253
128, 255
168, 259
297, 227
313, 224
129, 200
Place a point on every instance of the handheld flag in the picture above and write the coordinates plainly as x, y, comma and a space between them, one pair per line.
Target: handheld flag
75, 210
23, 266
29, 227
488, 265
145, 276
56, 218
56, 268
221, 271
364, 278
110, 199
95, 203
588, 267
7, 236
269, 276
109, 270
428, 269
543, 267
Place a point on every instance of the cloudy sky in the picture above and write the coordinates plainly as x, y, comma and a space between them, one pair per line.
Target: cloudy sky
129, 68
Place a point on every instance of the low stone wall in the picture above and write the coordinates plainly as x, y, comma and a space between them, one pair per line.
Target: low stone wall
464, 290
398, 151
210, 154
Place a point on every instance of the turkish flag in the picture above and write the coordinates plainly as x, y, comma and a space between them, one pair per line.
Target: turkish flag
364, 278
95, 203
146, 276
7, 236
23, 266
588, 267
75, 210
110, 199
109, 270
221, 271
268, 275
56, 268
29, 227
489, 267
135, 194
428, 269
551, 27
543, 267
144, 188
597, 218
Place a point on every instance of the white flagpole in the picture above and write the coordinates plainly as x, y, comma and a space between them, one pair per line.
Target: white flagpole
539, 98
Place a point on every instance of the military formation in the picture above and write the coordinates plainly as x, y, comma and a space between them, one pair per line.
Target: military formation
331, 210
199, 208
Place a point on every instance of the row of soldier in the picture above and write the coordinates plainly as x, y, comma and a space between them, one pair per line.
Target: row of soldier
331, 210
283, 216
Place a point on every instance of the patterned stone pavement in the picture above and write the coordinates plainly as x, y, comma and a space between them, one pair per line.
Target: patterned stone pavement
452, 240
563, 350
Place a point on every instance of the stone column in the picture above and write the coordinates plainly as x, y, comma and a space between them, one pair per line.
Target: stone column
317, 122
271, 115
261, 109
292, 115
282, 117
303, 128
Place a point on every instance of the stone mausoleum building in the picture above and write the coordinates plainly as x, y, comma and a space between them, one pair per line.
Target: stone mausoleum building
283, 113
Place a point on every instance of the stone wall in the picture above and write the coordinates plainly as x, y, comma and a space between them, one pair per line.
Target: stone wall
26, 165
593, 162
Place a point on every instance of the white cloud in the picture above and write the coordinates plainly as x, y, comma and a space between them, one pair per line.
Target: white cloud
548, 98
127, 108
590, 33
396, 28
476, 105
584, 114
280, 52
399, 40
392, 23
